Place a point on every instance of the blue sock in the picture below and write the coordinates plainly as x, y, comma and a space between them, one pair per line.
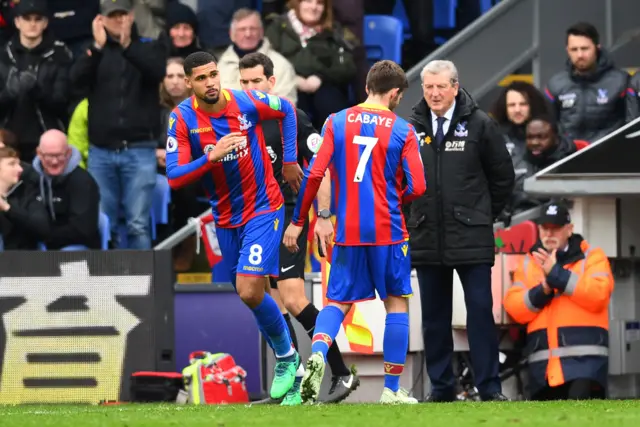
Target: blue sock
327, 327
272, 324
394, 348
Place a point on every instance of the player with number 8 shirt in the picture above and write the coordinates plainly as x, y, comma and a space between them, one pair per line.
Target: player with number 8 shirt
375, 166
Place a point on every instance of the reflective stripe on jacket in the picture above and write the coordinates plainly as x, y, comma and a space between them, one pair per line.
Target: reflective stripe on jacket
567, 330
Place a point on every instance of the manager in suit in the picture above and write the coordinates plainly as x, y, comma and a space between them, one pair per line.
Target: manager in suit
470, 177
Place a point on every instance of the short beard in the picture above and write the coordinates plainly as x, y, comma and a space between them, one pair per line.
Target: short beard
210, 100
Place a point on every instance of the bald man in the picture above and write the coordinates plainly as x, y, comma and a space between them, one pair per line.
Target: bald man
69, 193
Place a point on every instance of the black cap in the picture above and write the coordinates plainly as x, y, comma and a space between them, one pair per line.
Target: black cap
555, 214
28, 7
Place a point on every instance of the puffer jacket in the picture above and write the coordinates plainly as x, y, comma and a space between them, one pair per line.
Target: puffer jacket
590, 106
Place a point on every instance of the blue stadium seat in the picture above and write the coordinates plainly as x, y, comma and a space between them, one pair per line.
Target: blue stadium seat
485, 5
105, 230
444, 16
160, 204
383, 38
75, 248
400, 12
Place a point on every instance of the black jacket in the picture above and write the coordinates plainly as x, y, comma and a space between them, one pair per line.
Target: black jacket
28, 111
273, 140
591, 106
72, 201
469, 180
26, 223
528, 165
122, 88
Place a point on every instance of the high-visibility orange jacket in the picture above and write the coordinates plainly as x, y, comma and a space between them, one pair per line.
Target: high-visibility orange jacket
567, 330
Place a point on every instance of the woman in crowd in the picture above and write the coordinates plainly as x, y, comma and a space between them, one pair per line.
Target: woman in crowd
320, 50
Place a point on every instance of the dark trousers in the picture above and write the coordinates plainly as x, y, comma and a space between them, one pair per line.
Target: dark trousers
436, 298
579, 389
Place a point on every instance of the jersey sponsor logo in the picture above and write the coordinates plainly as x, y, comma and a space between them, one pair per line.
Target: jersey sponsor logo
568, 99
274, 102
200, 130
284, 270
404, 248
272, 154
372, 119
172, 144
454, 146
314, 142
245, 123
461, 130
172, 121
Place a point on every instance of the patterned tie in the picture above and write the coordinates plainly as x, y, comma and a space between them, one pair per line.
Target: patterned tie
440, 132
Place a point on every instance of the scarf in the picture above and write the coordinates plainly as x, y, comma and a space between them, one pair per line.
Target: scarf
304, 31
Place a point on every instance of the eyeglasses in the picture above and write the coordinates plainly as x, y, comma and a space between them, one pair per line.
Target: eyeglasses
52, 156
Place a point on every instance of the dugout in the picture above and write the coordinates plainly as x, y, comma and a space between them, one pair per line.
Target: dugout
603, 181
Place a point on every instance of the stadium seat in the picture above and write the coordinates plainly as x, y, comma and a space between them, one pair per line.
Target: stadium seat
444, 17
580, 144
75, 248
400, 12
160, 203
105, 230
485, 5
383, 38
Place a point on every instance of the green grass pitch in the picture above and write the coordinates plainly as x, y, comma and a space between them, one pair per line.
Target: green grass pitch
623, 413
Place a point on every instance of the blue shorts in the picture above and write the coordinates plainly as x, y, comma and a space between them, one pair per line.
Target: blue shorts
253, 249
358, 272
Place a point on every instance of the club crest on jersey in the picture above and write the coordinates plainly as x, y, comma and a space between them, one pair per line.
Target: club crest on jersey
245, 124
603, 97
314, 142
260, 95
172, 144
461, 130
207, 148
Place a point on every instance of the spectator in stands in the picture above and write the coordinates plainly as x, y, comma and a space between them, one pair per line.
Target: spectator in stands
23, 219
591, 96
320, 50
451, 226
545, 146
68, 192
635, 91
215, 17
182, 28
71, 22
561, 290
121, 74
184, 201
79, 131
149, 17
517, 103
8, 139
247, 36
349, 13
34, 75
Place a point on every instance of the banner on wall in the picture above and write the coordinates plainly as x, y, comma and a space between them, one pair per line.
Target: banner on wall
75, 325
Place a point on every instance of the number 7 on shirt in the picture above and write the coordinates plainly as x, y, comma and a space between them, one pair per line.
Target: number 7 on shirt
369, 143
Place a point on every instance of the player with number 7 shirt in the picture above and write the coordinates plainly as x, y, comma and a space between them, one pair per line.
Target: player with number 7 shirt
375, 164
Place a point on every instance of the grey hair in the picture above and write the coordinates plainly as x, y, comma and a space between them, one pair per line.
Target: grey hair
437, 67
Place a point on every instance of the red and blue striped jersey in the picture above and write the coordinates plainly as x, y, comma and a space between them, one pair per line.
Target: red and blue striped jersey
241, 185
375, 166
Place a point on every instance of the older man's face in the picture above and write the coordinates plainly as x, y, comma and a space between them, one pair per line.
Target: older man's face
439, 92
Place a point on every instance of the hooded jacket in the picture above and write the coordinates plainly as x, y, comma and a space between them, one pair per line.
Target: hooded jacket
590, 106
72, 201
469, 180
25, 224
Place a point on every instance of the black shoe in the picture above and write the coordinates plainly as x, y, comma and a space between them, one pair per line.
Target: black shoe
440, 398
342, 386
495, 397
267, 401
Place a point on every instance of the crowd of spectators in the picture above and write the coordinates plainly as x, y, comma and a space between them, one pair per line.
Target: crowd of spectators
86, 89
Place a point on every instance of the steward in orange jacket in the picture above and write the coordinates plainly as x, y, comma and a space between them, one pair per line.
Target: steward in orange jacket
563, 297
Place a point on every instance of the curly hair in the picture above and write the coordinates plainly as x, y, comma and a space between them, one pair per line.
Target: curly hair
538, 105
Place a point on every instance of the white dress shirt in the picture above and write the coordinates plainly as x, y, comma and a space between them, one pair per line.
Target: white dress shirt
448, 115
